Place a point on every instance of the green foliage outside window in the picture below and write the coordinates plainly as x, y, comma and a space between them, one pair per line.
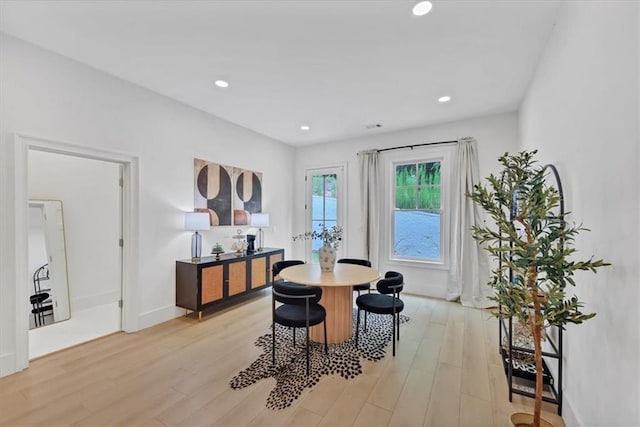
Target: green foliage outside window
325, 185
418, 186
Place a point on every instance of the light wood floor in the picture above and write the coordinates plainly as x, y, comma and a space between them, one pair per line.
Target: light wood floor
446, 372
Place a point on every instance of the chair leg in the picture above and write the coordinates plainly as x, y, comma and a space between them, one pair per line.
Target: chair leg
357, 327
307, 351
326, 347
273, 343
394, 334
366, 313
398, 326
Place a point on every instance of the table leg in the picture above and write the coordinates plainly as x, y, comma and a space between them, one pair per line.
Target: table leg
338, 301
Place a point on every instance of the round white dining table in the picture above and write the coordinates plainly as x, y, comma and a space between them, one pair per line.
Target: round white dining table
337, 295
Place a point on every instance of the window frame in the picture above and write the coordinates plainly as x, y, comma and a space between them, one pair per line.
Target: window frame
444, 155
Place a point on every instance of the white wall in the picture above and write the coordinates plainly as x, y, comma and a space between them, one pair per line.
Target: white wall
50, 96
495, 135
581, 113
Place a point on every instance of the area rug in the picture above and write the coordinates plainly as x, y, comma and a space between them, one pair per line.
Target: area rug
289, 370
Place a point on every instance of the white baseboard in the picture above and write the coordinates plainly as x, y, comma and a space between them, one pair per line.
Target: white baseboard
7, 364
159, 315
91, 301
570, 418
432, 291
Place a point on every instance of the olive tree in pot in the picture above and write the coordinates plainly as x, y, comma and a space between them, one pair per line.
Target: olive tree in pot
532, 239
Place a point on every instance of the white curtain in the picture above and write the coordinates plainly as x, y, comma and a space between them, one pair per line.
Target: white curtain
469, 271
371, 198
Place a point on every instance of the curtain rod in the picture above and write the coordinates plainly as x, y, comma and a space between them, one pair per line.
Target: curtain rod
412, 146
416, 145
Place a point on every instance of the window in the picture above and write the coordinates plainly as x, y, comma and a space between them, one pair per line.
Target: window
324, 204
417, 211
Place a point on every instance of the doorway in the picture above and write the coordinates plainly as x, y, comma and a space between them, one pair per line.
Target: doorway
128, 180
91, 197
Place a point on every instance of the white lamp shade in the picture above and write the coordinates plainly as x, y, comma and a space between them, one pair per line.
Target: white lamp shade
260, 220
196, 221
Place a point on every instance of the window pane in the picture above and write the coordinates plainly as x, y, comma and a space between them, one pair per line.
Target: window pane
406, 198
417, 210
429, 198
324, 200
417, 234
429, 173
324, 207
405, 175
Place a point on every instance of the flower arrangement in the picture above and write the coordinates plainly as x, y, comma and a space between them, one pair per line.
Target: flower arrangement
329, 236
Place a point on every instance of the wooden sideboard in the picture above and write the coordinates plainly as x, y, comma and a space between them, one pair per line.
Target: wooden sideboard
203, 284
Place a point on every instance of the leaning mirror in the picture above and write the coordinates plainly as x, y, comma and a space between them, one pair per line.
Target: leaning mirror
48, 281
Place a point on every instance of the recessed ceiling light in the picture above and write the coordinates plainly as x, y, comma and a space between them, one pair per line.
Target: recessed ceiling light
222, 83
304, 127
444, 99
422, 8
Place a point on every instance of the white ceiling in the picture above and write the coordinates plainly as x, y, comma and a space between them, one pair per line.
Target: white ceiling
336, 65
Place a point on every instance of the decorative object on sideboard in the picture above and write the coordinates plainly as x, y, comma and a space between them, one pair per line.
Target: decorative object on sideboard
196, 221
251, 241
330, 237
239, 244
217, 250
260, 220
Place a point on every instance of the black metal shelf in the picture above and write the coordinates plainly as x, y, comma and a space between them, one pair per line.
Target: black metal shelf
520, 381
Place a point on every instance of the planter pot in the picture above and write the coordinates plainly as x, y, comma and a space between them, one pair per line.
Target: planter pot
521, 419
327, 258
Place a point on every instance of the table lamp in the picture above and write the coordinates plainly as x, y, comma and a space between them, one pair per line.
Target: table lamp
260, 220
196, 221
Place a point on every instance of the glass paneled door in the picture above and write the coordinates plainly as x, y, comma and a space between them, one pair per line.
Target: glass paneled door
324, 204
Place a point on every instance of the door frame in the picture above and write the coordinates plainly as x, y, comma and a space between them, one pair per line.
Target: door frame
130, 226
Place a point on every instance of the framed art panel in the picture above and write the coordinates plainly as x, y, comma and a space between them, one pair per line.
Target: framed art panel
230, 195
247, 195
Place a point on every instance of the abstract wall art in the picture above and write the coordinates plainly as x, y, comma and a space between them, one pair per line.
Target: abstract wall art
229, 194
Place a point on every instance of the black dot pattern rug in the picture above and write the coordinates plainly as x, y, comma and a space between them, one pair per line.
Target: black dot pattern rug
289, 370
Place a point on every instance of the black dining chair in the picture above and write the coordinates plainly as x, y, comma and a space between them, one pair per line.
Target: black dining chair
300, 308
386, 301
277, 267
363, 286
41, 307
275, 272
41, 303
358, 261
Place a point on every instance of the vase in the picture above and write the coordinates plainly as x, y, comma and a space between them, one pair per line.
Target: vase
327, 258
